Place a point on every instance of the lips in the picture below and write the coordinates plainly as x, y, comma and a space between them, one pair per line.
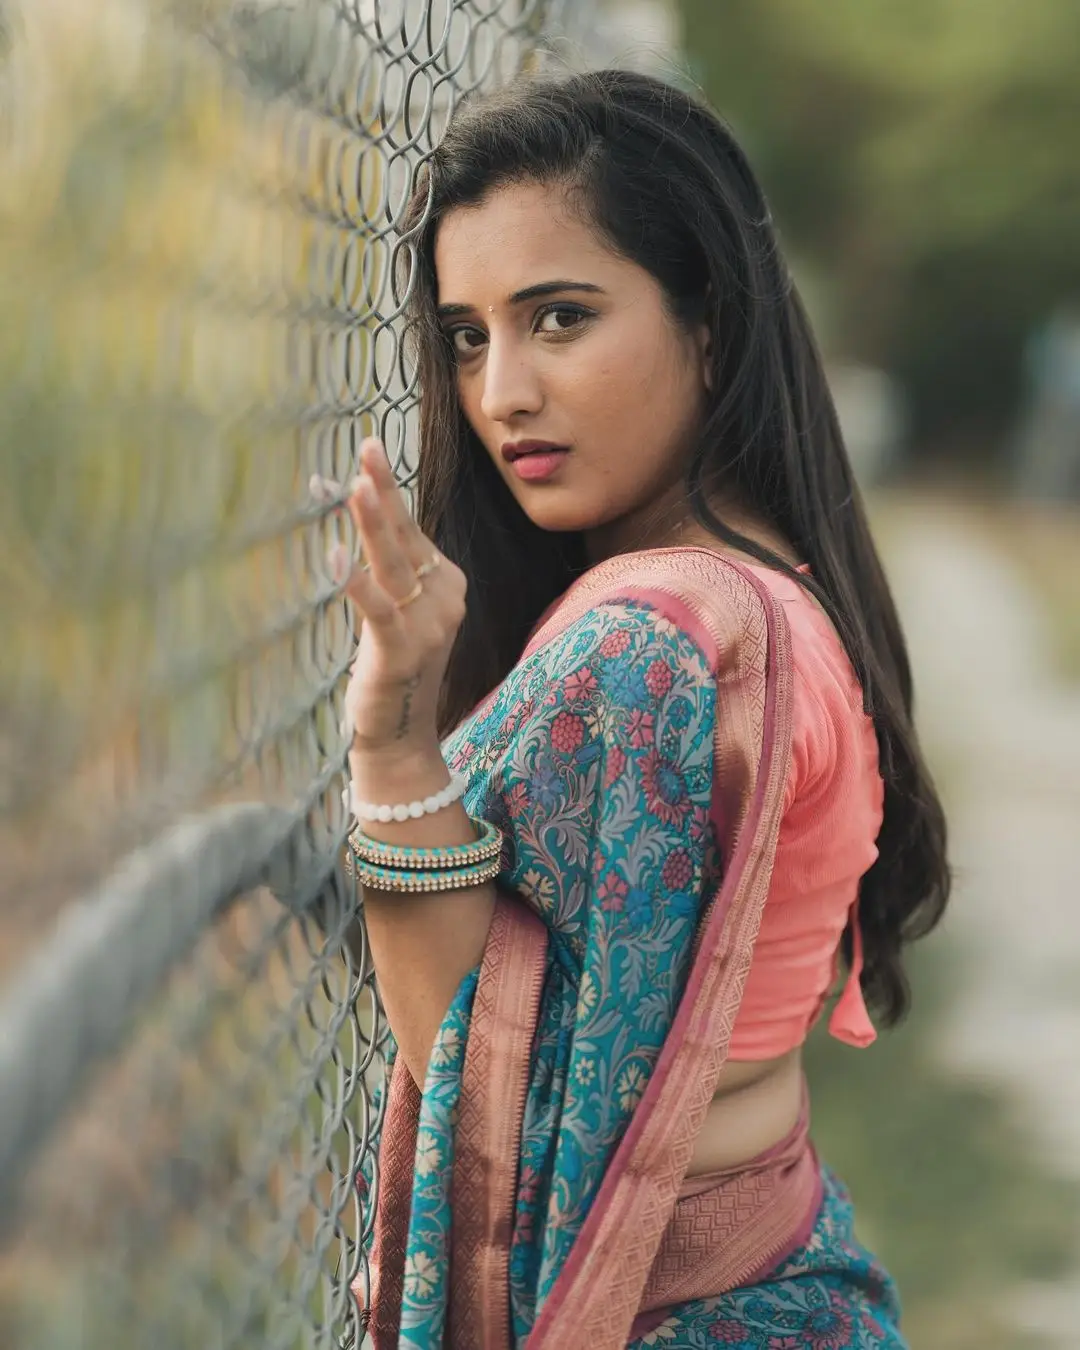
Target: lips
539, 465
515, 450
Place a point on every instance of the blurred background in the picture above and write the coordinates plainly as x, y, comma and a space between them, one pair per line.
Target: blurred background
196, 204
921, 164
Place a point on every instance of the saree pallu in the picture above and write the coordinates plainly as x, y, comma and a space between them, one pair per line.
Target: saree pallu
535, 1193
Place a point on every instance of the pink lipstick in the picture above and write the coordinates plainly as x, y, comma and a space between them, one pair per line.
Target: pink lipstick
534, 461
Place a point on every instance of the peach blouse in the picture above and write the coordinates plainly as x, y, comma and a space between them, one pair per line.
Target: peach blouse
832, 815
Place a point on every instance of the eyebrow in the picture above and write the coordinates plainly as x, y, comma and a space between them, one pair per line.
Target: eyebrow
529, 293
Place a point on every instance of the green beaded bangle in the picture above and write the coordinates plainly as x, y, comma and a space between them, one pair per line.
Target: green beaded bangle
487, 846
416, 883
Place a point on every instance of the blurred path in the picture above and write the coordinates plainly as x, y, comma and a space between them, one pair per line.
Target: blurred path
1005, 735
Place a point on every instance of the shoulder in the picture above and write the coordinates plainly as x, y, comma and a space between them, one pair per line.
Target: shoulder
678, 598
682, 626
617, 675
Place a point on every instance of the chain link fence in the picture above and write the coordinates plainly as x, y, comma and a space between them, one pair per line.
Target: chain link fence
197, 230
198, 208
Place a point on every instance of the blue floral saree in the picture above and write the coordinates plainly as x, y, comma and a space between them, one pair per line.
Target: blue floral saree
534, 1192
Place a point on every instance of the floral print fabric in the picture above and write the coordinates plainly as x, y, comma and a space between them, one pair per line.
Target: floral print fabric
427, 1260
595, 759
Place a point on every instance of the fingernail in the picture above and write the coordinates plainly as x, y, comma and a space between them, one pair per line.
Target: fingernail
340, 562
324, 489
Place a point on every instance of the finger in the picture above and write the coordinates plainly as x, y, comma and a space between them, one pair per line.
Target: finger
375, 461
324, 490
373, 602
380, 541
328, 491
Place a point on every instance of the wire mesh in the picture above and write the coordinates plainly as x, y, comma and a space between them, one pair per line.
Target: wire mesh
198, 211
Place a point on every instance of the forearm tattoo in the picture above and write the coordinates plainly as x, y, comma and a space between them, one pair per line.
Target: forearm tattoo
411, 686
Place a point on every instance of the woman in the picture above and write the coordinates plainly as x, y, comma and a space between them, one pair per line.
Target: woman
641, 627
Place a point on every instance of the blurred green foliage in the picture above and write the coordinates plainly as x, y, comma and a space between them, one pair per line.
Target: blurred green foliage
920, 157
160, 231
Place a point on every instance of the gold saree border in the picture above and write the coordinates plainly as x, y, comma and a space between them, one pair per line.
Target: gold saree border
393, 1205
736, 1225
487, 1136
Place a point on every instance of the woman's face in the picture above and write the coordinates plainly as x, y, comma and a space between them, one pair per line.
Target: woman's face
559, 340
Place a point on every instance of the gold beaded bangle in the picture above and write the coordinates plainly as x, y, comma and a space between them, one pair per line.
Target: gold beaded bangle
418, 883
487, 846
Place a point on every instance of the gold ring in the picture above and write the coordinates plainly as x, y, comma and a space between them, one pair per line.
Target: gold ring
426, 568
414, 594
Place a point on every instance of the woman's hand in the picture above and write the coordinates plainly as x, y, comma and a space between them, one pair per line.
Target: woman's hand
422, 947
410, 602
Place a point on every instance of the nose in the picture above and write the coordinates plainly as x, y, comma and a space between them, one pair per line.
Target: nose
511, 383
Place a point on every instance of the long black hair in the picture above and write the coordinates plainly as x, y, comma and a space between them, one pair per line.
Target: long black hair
663, 181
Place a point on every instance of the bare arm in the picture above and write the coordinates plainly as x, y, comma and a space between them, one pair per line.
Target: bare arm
422, 945
411, 602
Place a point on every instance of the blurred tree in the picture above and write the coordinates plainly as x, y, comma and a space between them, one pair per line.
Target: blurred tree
921, 154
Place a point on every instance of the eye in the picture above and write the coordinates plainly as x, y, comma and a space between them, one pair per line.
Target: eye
460, 339
568, 318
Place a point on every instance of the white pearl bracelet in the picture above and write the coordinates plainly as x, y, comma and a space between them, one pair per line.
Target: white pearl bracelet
407, 810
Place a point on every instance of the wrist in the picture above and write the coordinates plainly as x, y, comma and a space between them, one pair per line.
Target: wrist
409, 798
400, 774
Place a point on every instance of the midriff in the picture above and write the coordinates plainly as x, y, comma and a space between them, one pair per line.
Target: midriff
755, 1106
